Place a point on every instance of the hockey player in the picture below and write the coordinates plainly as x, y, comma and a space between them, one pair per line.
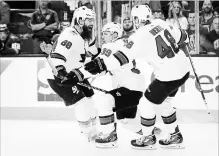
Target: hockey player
127, 90
157, 43
68, 53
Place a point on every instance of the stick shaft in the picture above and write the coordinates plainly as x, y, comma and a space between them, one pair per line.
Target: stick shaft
192, 64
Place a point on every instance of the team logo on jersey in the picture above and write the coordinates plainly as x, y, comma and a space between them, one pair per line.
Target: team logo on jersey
75, 90
118, 94
130, 44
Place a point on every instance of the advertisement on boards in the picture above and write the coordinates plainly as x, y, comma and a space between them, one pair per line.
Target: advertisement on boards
31, 75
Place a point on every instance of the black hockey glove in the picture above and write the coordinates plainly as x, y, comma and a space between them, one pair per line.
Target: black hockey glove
72, 78
61, 72
95, 66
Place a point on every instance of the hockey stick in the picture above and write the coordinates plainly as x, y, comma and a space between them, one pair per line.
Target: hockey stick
192, 64
47, 51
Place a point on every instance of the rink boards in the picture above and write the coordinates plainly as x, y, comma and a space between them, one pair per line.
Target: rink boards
24, 84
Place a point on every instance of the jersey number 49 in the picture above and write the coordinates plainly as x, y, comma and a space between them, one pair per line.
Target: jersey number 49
163, 49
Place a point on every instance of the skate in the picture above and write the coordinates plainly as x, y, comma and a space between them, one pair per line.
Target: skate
107, 140
90, 132
145, 142
157, 131
93, 135
173, 141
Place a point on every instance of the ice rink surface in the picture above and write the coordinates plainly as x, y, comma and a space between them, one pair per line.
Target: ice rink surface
63, 138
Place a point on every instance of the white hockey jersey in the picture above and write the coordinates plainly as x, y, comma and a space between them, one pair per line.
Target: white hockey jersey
122, 77
69, 50
155, 43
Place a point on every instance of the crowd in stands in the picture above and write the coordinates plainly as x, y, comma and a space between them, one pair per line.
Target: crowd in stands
45, 25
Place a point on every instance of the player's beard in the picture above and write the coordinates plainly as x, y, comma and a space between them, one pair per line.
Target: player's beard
87, 33
128, 29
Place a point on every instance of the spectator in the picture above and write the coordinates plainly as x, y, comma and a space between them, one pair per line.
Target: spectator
216, 11
128, 28
9, 43
88, 5
155, 5
117, 19
206, 19
4, 12
191, 31
213, 36
158, 14
204, 44
44, 23
178, 10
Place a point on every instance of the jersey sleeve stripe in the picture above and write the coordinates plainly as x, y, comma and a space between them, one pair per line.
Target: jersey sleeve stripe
93, 43
121, 57
58, 56
79, 74
183, 36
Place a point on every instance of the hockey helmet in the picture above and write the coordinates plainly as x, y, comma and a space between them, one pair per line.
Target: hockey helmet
141, 13
113, 27
82, 13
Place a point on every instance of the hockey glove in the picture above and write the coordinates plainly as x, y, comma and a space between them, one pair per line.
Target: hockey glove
95, 66
72, 78
61, 72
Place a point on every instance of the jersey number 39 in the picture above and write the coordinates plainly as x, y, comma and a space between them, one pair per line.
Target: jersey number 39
163, 49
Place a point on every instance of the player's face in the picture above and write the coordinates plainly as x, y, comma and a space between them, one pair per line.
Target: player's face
106, 37
127, 25
216, 24
3, 36
191, 19
89, 22
87, 28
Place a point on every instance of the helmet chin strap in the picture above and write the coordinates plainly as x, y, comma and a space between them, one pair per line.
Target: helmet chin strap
80, 23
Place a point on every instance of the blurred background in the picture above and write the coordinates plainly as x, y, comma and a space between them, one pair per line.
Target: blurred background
199, 18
